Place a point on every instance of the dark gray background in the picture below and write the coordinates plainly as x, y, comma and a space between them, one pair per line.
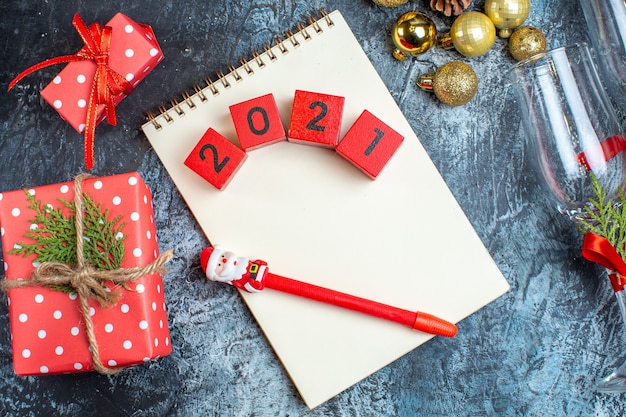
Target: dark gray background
535, 351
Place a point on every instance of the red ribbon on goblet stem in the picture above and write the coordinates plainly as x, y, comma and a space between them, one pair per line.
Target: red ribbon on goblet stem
610, 148
107, 84
599, 250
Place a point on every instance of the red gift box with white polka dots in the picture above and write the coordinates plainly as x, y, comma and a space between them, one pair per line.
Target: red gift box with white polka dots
47, 327
133, 54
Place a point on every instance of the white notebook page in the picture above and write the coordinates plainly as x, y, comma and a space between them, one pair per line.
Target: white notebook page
401, 239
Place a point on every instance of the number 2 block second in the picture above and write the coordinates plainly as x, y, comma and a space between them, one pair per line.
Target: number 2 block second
315, 119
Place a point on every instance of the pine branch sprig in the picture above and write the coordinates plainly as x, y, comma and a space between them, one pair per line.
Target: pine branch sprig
104, 247
54, 234
605, 217
619, 213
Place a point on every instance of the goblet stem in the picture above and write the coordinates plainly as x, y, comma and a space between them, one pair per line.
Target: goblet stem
621, 302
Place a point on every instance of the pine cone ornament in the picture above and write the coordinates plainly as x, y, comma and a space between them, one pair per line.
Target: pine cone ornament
450, 7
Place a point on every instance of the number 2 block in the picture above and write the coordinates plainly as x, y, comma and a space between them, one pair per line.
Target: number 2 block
215, 159
315, 119
257, 122
369, 144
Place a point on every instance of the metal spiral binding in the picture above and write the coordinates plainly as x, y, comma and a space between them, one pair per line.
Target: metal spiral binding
258, 59
246, 66
315, 25
302, 30
188, 100
234, 72
211, 86
326, 17
281, 46
163, 111
222, 78
292, 38
176, 107
268, 51
153, 119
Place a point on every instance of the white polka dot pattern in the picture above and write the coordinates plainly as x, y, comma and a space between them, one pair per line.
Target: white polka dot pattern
134, 52
46, 325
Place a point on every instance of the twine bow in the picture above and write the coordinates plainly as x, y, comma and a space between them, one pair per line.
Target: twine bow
106, 85
599, 250
85, 280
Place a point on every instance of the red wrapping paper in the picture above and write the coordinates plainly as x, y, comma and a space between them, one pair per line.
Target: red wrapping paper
47, 328
134, 53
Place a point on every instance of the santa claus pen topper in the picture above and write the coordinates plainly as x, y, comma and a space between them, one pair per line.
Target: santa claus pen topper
254, 276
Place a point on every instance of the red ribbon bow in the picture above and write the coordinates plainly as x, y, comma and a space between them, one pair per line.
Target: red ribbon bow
599, 250
107, 84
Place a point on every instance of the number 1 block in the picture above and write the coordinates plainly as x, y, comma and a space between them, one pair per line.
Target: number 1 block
215, 159
369, 144
315, 119
257, 122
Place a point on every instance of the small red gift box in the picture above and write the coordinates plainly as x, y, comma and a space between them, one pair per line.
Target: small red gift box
47, 326
115, 58
133, 53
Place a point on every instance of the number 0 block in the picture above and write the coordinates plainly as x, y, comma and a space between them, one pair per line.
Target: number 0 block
257, 122
215, 159
315, 119
369, 144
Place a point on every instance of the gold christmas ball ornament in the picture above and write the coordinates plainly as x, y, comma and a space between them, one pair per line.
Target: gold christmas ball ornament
506, 15
526, 41
389, 3
454, 83
413, 34
472, 34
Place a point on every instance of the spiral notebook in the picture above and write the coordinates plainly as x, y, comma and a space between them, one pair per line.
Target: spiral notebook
401, 239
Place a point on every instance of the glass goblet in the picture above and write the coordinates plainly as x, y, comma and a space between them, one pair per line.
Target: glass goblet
606, 21
573, 133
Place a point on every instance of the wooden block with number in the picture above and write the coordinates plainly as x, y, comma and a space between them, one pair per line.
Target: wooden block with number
315, 119
257, 122
369, 144
215, 159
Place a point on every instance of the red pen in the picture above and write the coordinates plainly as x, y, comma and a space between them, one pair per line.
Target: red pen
253, 276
